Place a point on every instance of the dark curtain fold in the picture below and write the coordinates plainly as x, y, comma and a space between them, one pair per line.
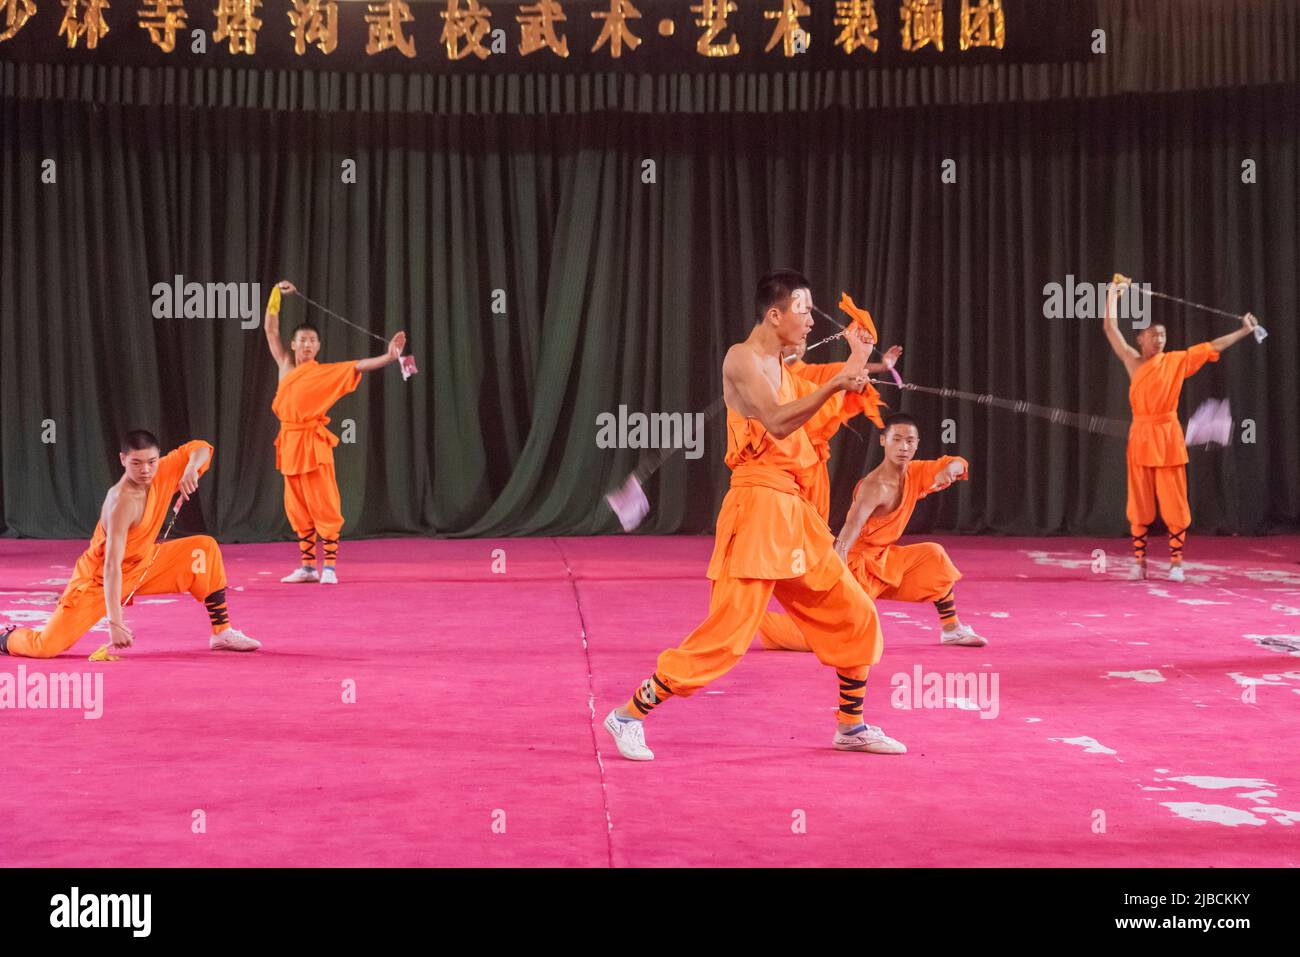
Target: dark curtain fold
621, 291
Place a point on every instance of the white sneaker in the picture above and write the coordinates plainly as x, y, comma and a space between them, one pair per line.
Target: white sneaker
329, 577
629, 736
233, 639
962, 635
303, 573
870, 739
1139, 572
1175, 573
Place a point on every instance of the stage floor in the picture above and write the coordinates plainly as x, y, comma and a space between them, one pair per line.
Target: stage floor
1134, 724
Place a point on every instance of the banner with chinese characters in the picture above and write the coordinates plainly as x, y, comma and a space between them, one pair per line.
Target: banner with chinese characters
569, 36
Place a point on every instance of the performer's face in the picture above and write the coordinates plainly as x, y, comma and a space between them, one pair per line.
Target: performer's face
305, 345
795, 321
1152, 340
900, 443
140, 465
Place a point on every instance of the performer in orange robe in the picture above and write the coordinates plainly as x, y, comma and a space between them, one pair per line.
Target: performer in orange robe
769, 540
122, 554
837, 411
883, 502
304, 449
1157, 452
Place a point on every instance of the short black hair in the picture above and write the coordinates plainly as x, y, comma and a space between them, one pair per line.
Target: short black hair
777, 287
138, 439
305, 325
899, 418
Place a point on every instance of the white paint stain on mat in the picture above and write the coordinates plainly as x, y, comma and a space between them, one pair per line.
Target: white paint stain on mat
1216, 813
157, 601
1159, 789
1259, 797
1221, 784
1286, 644
1090, 745
1281, 816
1032, 720
998, 614
1145, 675
53, 581
965, 704
24, 614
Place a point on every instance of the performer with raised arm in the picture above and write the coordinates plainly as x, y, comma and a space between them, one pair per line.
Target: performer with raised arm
1157, 452
304, 449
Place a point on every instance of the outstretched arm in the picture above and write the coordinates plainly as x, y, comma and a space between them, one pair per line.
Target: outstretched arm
1127, 354
115, 532
866, 499
1248, 324
395, 347
271, 323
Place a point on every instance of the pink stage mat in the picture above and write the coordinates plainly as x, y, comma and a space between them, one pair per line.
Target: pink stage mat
1133, 724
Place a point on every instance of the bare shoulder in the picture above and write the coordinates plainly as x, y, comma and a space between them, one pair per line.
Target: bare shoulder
739, 359
870, 489
116, 510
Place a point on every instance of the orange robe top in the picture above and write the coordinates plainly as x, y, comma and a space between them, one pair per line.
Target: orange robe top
871, 553
140, 539
1155, 438
766, 528
301, 401
821, 428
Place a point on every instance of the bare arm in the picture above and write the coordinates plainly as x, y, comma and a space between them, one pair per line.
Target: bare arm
1248, 324
271, 325
395, 347
866, 500
1110, 324
190, 480
116, 527
750, 393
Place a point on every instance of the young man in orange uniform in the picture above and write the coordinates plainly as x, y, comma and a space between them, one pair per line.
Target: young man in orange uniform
123, 554
304, 449
883, 502
769, 540
1157, 452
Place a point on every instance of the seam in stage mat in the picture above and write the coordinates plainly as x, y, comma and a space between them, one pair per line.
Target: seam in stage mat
591, 705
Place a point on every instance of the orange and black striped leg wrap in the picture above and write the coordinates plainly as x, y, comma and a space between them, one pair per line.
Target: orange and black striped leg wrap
330, 546
307, 549
1140, 545
852, 691
1176, 542
947, 608
4, 638
649, 696
217, 610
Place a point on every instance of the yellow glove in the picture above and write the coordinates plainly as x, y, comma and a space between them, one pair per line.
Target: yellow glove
103, 655
273, 304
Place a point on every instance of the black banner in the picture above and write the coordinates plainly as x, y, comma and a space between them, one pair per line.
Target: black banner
546, 36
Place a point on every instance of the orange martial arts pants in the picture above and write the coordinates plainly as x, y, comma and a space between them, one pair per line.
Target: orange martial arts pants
190, 564
1166, 486
311, 500
840, 622
928, 575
